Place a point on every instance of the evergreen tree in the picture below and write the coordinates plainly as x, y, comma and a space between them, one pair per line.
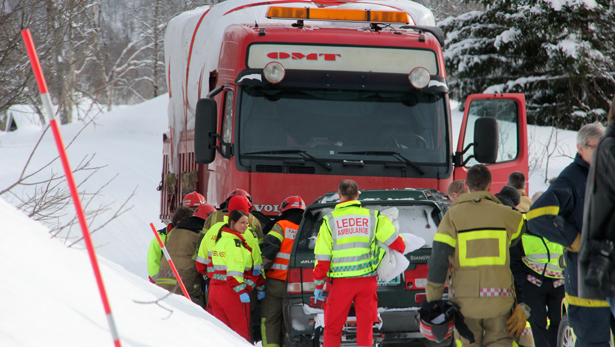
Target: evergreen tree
560, 54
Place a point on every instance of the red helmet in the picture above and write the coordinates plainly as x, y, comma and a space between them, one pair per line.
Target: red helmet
240, 192
431, 311
193, 200
203, 211
292, 202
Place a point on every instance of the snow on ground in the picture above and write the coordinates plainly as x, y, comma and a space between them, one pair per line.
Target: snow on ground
49, 292
50, 298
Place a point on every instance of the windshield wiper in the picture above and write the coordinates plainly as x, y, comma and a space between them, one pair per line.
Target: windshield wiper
395, 155
295, 151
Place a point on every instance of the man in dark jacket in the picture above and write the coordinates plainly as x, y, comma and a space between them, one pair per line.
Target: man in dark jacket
558, 216
599, 221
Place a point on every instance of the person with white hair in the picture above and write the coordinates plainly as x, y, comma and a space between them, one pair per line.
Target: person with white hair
558, 216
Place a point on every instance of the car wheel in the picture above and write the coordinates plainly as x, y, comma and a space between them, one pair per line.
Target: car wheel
565, 336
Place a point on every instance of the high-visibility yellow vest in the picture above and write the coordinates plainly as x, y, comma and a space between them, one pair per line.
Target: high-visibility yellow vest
542, 256
347, 239
279, 268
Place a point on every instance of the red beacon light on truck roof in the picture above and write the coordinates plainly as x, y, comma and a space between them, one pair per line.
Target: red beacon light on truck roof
334, 14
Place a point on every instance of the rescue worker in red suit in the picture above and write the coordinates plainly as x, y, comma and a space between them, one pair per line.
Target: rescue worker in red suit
278, 244
351, 266
233, 277
204, 254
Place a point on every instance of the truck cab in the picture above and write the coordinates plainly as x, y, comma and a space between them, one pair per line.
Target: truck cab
312, 93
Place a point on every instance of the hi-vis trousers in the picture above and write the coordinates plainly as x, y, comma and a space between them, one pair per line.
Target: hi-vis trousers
343, 292
227, 307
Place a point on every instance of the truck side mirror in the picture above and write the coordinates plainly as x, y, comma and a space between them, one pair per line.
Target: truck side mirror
206, 120
486, 137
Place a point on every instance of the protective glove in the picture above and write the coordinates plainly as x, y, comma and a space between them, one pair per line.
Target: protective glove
256, 272
244, 297
517, 321
260, 295
576, 245
318, 295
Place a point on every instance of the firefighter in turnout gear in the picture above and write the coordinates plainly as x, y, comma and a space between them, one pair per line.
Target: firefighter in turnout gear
154, 253
233, 278
278, 244
474, 237
347, 253
558, 216
182, 243
216, 217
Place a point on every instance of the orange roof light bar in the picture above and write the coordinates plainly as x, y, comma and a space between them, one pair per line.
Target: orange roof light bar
338, 14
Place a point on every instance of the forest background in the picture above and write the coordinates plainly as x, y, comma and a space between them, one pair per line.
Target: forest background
559, 53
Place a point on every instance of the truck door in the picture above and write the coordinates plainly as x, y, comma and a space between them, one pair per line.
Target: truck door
509, 111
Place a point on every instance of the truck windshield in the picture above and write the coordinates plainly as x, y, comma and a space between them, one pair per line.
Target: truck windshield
328, 124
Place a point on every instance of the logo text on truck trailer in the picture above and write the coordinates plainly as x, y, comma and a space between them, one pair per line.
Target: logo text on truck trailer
342, 58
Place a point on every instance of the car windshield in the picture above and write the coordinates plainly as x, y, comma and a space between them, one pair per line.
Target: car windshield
326, 123
419, 220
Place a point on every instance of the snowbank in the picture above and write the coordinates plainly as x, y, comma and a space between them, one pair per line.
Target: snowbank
50, 298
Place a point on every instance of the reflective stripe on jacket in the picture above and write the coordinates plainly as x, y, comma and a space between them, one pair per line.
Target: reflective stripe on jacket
279, 266
542, 256
347, 239
232, 263
206, 247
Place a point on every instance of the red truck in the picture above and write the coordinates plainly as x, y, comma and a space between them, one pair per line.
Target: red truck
287, 98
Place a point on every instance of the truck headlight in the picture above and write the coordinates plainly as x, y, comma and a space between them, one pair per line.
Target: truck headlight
274, 72
419, 77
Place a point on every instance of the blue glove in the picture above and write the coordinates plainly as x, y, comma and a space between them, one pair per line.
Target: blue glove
256, 272
206, 288
244, 297
318, 295
261, 295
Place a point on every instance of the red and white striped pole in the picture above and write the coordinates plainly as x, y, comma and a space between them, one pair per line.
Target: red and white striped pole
166, 254
42, 86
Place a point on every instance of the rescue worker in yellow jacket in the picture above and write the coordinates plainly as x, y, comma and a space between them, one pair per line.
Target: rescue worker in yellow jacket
347, 253
208, 240
474, 236
233, 278
218, 216
278, 244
